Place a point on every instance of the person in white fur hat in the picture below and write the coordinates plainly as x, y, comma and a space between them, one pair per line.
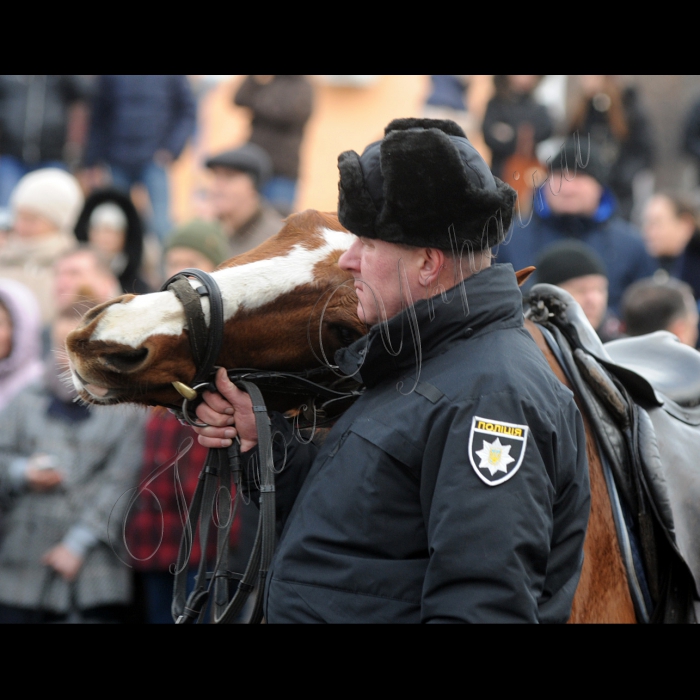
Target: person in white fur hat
45, 205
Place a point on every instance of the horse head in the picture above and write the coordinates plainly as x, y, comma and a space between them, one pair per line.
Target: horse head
287, 304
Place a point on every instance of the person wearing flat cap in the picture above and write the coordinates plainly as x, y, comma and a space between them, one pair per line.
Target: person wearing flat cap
455, 489
576, 203
246, 217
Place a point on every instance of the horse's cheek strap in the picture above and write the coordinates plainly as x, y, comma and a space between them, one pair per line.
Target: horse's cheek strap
205, 342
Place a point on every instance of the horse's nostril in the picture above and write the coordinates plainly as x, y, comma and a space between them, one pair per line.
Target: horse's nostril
127, 360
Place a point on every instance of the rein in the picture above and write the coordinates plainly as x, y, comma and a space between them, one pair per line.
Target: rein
222, 467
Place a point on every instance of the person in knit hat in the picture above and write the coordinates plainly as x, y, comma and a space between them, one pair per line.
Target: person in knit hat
45, 205
455, 489
199, 244
576, 203
578, 269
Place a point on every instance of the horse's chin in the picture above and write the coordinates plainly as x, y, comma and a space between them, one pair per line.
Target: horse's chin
94, 393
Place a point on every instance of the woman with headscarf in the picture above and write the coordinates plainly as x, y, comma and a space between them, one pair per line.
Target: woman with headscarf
110, 223
20, 339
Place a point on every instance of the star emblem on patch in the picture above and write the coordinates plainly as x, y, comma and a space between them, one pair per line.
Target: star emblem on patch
494, 457
496, 449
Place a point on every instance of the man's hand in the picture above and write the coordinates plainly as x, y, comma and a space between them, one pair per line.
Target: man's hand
63, 561
229, 413
42, 474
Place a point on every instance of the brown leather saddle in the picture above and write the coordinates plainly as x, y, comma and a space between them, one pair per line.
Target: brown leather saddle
642, 396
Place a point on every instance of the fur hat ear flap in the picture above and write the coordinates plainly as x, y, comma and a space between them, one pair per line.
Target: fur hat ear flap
356, 209
445, 125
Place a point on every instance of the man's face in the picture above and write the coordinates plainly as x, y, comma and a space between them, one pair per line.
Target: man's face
180, 258
664, 232
579, 194
375, 266
232, 191
591, 292
77, 274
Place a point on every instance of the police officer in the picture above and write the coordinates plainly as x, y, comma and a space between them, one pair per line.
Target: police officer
456, 488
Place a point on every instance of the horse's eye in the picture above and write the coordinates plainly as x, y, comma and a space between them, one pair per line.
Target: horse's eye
346, 335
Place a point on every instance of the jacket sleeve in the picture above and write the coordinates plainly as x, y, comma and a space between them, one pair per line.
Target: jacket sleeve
14, 453
102, 517
493, 548
542, 121
284, 104
495, 114
100, 119
691, 133
183, 115
292, 456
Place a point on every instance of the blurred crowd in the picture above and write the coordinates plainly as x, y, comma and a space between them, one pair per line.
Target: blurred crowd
75, 151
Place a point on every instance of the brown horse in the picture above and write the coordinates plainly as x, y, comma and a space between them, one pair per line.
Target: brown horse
286, 304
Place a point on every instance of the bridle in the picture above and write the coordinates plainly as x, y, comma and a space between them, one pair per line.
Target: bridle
223, 467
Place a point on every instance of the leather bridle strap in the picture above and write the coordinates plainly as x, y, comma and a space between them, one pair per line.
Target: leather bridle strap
221, 466
205, 342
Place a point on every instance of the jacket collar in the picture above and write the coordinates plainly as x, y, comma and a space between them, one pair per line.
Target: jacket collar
487, 301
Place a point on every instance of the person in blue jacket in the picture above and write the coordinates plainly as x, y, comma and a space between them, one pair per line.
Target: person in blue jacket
575, 203
456, 488
138, 127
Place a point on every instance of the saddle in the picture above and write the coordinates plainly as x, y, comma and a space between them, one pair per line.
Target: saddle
642, 396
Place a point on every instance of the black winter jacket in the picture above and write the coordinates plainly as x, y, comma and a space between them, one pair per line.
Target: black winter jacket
513, 110
463, 497
133, 116
34, 114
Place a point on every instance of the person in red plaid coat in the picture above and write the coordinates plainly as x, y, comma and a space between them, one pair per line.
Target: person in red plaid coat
155, 524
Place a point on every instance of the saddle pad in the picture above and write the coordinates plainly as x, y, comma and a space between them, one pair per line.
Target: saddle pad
670, 367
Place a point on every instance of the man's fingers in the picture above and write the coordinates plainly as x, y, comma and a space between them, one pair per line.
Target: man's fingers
216, 402
213, 442
214, 432
212, 416
237, 398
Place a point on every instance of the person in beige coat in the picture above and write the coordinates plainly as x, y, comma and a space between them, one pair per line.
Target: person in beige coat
45, 205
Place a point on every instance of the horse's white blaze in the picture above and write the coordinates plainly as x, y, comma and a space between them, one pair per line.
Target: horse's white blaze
248, 286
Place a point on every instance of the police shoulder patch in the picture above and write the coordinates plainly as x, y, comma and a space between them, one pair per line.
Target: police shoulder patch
496, 449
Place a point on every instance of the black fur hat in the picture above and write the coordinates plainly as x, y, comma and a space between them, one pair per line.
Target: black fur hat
423, 177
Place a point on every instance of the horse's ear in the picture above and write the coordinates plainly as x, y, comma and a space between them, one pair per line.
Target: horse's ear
523, 275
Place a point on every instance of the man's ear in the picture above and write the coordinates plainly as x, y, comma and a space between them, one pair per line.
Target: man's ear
434, 261
684, 328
